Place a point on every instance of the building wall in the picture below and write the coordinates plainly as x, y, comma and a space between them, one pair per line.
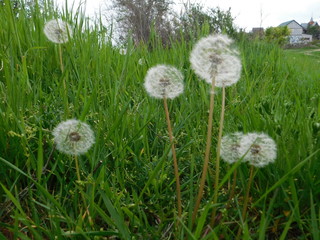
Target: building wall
295, 28
300, 39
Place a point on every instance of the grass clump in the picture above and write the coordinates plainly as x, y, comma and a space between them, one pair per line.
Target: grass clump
127, 184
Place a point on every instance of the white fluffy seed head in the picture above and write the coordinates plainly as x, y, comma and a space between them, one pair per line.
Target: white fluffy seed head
141, 61
57, 31
230, 146
123, 51
258, 149
73, 137
163, 81
215, 57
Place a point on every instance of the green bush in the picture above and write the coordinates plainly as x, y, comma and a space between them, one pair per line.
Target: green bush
278, 35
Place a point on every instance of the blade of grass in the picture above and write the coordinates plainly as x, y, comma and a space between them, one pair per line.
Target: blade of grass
24, 218
314, 224
286, 228
201, 221
116, 216
41, 188
286, 176
154, 172
40, 156
265, 218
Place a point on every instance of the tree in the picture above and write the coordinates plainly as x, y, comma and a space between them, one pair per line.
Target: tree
15, 5
27, 5
278, 35
138, 18
195, 18
314, 30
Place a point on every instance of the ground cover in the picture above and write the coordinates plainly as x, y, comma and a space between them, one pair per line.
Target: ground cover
127, 188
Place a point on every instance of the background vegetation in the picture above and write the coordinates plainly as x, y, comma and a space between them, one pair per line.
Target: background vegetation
278, 35
128, 180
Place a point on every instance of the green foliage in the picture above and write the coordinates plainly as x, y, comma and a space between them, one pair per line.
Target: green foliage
196, 18
127, 177
138, 19
314, 31
277, 35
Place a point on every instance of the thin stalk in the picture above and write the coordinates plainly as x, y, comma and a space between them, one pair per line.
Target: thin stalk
174, 156
216, 182
246, 200
65, 92
207, 154
233, 187
60, 58
77, 168
86, 211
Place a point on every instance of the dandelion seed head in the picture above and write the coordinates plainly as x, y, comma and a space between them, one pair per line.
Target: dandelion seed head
141, 61
258, 149
230, 146
57, 31
73, 137
122, 51
163, 81
215, 57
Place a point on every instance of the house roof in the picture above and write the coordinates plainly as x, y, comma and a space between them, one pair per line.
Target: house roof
288, 22
310, 23
285, 23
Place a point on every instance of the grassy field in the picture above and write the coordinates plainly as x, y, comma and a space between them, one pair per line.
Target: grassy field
127, 177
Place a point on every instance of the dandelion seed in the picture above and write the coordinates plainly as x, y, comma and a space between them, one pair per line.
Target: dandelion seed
214, 57
163, 81
258, 149
123, 51
57, 31
141, 61
230, 146
73, 137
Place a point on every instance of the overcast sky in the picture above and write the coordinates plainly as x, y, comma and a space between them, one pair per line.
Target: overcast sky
248, 13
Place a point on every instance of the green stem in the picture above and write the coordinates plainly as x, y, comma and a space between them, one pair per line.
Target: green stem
207, 154
246, 200
233, 187
60, 58
86, 211
65, 92
174, 156
216, 182
77, 168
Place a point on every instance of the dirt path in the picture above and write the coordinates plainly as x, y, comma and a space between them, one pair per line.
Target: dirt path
309, 52
314, 50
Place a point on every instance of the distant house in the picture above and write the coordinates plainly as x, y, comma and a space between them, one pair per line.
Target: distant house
314, 26
311, 23
297, 33
258, 32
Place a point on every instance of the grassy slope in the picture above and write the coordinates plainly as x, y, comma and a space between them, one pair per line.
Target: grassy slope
132, 192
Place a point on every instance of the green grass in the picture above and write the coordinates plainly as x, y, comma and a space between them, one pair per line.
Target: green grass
132, 192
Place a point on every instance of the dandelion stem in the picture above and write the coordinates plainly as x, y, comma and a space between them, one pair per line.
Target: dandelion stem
174, 156
87, 212
60, 57
65, 92
246, 200
233, 187
77, 168
216, 182
207, 153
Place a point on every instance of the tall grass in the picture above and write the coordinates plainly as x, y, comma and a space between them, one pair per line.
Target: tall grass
127, 179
